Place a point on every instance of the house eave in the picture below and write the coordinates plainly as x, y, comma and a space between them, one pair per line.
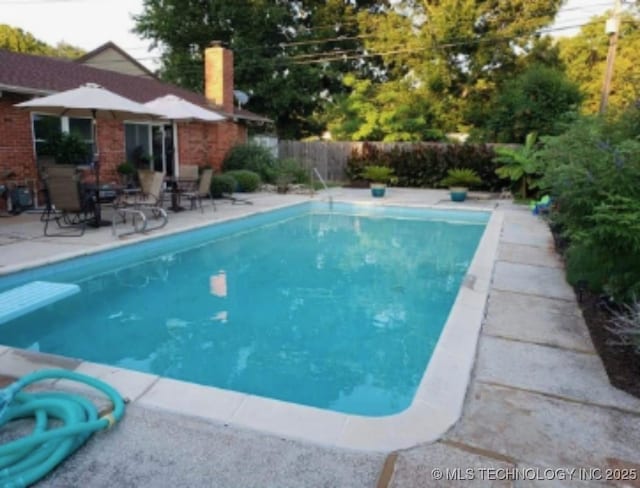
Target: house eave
23, 90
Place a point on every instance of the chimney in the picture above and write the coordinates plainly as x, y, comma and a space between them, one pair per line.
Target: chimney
218, 76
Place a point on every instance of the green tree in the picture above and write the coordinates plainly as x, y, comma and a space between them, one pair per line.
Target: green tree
19, 41
276, 45
65, 50
457, 50
585, 56
538, 100
392, 111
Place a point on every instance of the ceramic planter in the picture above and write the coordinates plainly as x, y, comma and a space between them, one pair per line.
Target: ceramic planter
378, 189
458, 193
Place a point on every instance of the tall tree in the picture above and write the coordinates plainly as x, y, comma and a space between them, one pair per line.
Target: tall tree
277, 46
585, 56
19, 41
16, 40
393, 111
452, 53
538, 100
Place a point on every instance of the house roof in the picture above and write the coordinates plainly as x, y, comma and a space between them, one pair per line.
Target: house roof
40, 75
111, 45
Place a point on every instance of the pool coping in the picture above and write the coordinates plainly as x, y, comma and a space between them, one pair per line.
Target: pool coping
436, 406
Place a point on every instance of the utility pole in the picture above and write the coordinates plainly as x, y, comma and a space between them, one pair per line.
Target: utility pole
612, 29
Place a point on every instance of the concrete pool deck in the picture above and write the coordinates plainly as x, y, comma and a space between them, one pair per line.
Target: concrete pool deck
538, 398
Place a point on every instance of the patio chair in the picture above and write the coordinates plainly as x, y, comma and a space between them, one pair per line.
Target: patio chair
68, 204
203, 190
186, 182
149, 194
149, 198
188, 173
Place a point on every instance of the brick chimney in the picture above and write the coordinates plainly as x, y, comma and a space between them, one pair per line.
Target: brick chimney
218, 76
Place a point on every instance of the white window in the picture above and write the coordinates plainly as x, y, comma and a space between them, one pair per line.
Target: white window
47, 127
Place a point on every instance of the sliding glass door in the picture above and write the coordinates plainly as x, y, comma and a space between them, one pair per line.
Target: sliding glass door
150, 146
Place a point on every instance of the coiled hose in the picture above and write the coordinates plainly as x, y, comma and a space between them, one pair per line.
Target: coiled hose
26, 460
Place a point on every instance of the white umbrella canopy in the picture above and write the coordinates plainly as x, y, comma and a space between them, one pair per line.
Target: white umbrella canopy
90, 100
93, 101
176, 108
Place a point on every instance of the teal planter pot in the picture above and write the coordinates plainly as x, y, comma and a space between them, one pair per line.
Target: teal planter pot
458, 194
377, 191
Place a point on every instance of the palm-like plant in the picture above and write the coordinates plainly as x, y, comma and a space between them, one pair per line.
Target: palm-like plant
463, 177
520, 165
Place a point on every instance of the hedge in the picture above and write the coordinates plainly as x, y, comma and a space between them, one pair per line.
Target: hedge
426, 165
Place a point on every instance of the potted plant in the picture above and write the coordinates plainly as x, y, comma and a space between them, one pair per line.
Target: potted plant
67, 148
378, 177
126, 171
459, 180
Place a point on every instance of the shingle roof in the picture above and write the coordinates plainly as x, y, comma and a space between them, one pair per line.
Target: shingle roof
39, 74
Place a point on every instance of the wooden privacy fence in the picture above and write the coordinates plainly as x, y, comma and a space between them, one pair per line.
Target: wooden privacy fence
330, 157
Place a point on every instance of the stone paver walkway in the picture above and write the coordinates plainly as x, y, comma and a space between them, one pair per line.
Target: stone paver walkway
539, 399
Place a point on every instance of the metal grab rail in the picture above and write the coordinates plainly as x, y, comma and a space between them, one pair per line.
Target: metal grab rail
324, 184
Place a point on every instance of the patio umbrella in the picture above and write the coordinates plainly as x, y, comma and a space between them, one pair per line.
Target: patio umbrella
91, 100
176, 108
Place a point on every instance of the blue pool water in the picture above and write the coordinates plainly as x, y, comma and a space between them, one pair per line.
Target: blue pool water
340, 310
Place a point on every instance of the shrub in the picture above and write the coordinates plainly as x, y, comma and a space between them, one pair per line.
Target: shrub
67, 148
251, 157
425, 165
461, 177
291, 170
377, 174
221, 184
248, 181
520, 164
593, 181
126, 169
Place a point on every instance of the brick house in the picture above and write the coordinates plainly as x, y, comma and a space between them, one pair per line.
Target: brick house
164, 145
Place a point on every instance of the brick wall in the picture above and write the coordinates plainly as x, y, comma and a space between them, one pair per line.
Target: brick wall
193, 143
207, 144
226, 135
16, 143
112, 149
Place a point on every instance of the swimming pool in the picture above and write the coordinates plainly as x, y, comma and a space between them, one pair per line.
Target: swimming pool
335, 309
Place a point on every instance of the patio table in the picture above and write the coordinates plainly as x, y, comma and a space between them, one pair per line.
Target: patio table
178, 186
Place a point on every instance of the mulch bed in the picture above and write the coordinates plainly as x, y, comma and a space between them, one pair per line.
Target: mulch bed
622, 363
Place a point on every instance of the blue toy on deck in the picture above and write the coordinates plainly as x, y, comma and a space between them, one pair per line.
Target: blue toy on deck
541, 206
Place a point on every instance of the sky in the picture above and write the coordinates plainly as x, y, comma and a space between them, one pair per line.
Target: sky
90, 23
83, 23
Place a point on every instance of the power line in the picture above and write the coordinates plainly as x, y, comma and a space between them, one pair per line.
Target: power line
346, 54
455, 42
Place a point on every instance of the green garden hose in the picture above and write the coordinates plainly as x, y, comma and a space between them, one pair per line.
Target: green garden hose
26, 460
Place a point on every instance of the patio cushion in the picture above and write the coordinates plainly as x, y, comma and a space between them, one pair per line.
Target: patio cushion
30, 297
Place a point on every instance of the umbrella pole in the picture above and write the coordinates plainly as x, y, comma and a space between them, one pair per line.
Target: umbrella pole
96, 167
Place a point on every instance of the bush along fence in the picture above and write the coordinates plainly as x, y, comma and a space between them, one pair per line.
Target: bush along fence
414, 164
